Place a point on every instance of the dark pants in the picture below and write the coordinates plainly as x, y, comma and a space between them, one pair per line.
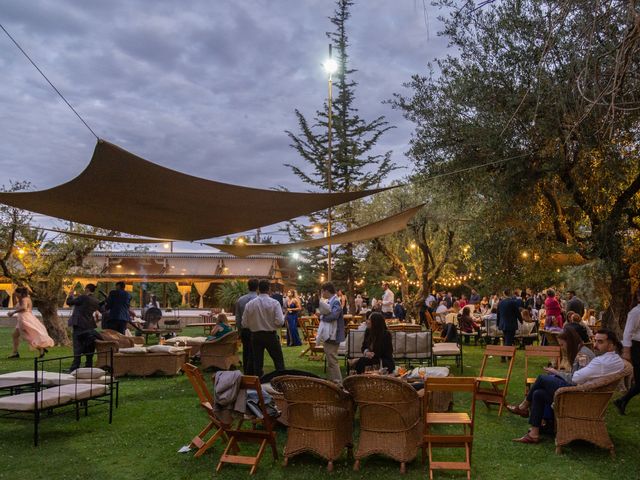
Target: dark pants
84, 343
247, 351
363, 362
117, 325
509, 337
269, 341
387, 314
540, 396
635, 361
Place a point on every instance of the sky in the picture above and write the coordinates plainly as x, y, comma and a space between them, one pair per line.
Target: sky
206, 87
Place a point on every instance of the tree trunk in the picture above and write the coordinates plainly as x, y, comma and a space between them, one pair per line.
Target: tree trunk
54, 325
616, 313
351, 282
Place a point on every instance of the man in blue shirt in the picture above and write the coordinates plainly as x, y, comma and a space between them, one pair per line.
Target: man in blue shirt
328, 291
509, 316
245, 333
118, 304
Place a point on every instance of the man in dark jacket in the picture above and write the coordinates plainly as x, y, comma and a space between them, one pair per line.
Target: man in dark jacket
509, 316
574, 304
84, 326
118, 303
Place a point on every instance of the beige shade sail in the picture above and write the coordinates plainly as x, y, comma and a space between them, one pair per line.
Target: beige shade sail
107, 238
123, 192
389, 225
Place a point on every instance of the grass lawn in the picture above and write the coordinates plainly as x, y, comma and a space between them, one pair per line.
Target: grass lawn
158, 415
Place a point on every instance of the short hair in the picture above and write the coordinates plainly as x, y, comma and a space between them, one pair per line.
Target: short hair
612, 337
572, 292
329, 287
551, 293
91, 287
506, 292
120, 285
263, 286
253, 284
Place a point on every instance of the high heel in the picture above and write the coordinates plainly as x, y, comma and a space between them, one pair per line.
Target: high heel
15, 355
43, 352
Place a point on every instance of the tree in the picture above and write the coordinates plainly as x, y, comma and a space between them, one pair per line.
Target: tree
548, 94
229, 292
29, 259
354, 166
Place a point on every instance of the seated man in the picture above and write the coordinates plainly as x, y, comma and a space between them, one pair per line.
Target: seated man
607, 362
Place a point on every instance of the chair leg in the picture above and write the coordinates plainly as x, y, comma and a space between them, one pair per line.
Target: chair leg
330, 466
356, 465
558, 450
403, 468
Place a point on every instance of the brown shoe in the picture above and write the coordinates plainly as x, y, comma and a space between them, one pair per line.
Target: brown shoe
516, 410
527, 439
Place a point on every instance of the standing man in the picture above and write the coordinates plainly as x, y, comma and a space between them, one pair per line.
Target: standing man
118, 304
263, 316
631, 352
328, 292
83, 322
574, 304
474, 298
245, 333
508, 317
387, 301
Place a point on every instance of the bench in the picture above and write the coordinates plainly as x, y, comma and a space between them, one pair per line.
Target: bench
44, 391
408, 347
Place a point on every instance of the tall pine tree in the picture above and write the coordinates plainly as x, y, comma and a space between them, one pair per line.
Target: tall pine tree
354, 165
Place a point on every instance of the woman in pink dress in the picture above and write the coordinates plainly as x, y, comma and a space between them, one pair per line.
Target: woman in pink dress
28, 326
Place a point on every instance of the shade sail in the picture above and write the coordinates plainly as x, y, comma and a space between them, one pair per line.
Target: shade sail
389, 225
107, 238
121, 191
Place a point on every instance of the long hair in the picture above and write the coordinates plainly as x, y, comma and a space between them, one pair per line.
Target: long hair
377, 332
573, 341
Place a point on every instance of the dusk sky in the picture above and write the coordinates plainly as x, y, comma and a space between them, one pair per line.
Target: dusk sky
204, 87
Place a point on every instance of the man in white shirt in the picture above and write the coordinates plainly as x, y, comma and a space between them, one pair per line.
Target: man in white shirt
263, 316
387, 301
607, 362
631, 352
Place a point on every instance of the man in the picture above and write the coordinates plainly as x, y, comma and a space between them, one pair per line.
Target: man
474, 298
277, 296
448, 300
263, 316
574, 304
430, 299
607, 362
118, 304
245, 333
83, 324
631, 352
387, 301
508, 317
328, 292
399, 311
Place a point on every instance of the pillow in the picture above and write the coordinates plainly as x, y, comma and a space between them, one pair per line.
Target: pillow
164, 349
88, 373
133, 350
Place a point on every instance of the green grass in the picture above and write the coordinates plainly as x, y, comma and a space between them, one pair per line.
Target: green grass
158, 415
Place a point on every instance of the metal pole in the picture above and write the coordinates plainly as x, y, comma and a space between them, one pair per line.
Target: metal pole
329, 176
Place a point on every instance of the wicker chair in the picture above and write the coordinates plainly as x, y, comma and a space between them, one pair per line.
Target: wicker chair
579, 411
221, 354
390, 418
320, 417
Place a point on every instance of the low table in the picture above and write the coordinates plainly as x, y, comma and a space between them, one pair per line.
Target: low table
146, 364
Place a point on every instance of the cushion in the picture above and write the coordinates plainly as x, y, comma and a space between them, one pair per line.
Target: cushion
183, 340
164, 349
134, 350
446, 349
418, 345
25, 402
399, 344
122, 340
102, 380
89, 373
81, 391
46, 378
429, 372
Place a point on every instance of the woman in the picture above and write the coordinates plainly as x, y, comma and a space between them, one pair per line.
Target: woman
221, 328
589, 318
631, 352
293, 309
28, 326
467, 323
553, 310
377, 346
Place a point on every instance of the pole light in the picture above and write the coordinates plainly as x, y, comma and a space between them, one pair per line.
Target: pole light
331, 67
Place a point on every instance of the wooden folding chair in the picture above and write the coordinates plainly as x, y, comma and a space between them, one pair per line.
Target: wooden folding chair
316, 352
431, 323
551, 352
206, 402
461, 423
494, 394
262, 437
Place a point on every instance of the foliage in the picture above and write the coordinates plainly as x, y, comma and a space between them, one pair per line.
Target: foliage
542, 92
229, 292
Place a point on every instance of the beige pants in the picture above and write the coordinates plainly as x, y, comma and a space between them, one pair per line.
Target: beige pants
333, 368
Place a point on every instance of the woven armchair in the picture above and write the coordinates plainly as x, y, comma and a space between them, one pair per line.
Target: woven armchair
390, 418
221, 353
580, 410
320, 417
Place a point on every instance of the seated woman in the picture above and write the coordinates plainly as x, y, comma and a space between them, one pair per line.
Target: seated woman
467, 323
220, 330
377, 345
579, 356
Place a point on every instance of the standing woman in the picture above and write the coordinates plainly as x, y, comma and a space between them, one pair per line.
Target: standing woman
28, 326
553, 310
631, 352
293, 309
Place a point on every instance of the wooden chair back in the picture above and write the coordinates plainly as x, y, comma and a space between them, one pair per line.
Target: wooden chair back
431, 323
552, 352
197, 381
